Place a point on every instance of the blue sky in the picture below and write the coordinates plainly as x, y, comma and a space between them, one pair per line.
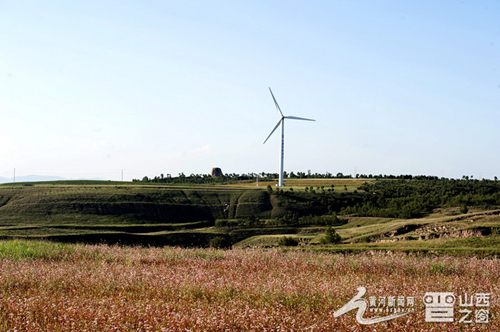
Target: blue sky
396, 87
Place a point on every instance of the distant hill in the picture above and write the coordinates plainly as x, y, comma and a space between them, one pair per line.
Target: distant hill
32, 178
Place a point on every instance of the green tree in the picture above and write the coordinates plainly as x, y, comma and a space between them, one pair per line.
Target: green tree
333, 220
269, 189
331, 236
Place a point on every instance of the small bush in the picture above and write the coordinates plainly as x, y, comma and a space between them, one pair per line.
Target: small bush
331, 236
220, 242
251, 221
288, 241
221, 223
269, 189
364, 239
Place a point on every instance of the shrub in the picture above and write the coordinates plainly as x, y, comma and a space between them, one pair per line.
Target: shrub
331, 236
364, 239
288, 241
251, 221
221, 223
269, 189
288, 219
220, 242
333, 220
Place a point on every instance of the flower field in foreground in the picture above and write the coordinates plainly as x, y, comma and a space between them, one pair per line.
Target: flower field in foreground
45, 287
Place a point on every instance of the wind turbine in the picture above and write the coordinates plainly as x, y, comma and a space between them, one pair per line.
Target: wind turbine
282, 123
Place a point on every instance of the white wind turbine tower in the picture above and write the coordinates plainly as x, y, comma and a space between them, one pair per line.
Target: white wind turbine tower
282, 123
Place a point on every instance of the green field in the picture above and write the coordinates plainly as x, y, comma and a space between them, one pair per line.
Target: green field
191, 215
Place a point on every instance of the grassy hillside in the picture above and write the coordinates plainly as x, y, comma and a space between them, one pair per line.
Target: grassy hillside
476, 233
103, 203
99, 203
249, 216
135, 213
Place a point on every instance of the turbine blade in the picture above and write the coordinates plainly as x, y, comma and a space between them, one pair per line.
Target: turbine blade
297, 118
276, 103
279, 122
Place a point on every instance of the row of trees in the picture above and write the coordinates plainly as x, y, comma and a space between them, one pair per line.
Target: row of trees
263, 176
233, 177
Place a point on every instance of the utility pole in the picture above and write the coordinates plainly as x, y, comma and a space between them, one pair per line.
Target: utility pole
14, 175
122, 175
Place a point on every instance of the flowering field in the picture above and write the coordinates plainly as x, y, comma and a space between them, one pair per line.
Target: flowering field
55, 287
